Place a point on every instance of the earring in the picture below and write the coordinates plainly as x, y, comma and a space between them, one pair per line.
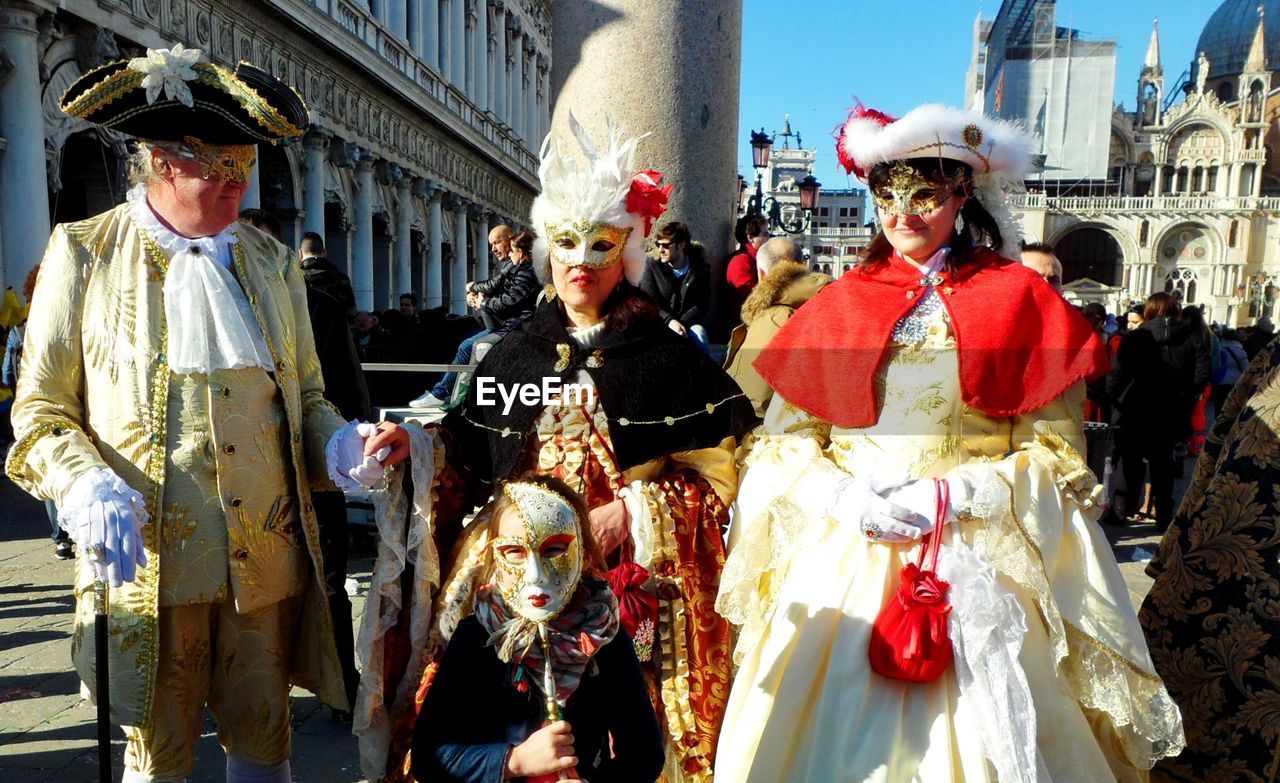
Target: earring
959, 223
549, 292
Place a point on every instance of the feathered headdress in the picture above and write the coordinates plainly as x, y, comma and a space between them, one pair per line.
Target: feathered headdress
600, 187
999, 152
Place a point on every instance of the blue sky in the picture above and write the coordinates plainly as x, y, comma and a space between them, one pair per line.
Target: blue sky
809, 57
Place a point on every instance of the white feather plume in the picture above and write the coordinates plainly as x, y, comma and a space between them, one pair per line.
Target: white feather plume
589, 187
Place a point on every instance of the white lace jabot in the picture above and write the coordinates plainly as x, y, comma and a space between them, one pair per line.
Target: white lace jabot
211, 325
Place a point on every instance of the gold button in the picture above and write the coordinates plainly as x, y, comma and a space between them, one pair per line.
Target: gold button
911, 294
241, 554
236, 501
195, 249
230, 449
226, 391
280, 365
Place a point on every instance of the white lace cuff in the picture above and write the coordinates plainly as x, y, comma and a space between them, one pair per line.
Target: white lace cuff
90, 487
641, 522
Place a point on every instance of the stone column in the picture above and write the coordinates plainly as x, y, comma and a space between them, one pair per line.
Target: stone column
457, 43
481, 96
500, 82
403, 280
445, 32
397, 18
513, 73
362, 246
458, 274
530, 93
689, 76
431, 32
469, 49
435, 235
24, 185
483, 218
413, 25
315, 145
544, 99
519, 79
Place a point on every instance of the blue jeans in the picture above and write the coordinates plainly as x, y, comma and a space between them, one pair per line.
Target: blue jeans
443, 390
699, 336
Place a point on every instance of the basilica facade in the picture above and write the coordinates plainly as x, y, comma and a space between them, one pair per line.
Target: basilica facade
426, 118
1191, 200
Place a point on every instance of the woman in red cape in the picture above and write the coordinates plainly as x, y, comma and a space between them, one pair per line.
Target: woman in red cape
938, 362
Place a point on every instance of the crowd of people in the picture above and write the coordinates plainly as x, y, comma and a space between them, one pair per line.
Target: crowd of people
867, 549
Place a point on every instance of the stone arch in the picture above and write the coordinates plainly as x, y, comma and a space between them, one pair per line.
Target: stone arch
1196, 138
1185, 255
1091, 250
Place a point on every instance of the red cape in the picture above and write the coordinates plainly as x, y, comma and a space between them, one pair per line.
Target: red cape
1020, 344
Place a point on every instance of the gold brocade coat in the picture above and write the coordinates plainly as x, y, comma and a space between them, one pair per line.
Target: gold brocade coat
94, 392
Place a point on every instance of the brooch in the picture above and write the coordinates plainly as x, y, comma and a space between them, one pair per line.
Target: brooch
596, 359
562, 363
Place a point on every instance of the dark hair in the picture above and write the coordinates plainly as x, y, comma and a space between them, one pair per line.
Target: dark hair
413, 299
312, 244
524, 241
674, 231
749, 226
980, 227
626, 305
1159, 305
1038, 247
262, 220
592, 558
1094, 310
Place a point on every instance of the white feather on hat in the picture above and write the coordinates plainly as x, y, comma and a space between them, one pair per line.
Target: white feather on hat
999, 152
592, 189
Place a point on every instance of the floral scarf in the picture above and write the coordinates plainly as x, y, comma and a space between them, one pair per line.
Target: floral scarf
589, 622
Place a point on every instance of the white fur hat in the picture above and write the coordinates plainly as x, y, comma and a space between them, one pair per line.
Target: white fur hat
600, 187
999, 152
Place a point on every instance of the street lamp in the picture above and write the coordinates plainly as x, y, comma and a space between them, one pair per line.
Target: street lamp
770, 207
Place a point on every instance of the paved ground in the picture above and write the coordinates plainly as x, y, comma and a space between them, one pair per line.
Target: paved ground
47, 732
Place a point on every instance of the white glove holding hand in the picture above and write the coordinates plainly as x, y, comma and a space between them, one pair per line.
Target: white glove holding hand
104, 516
349, 468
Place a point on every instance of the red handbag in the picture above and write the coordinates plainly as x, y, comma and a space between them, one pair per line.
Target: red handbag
637, 607
909, 639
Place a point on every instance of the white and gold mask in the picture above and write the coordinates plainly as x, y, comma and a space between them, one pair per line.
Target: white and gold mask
908, 191
546, 562
596, 245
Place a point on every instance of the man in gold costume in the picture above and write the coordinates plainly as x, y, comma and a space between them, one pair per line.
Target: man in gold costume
171, 404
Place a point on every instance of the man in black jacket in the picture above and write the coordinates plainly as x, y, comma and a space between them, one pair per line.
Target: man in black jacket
500, 248
330, 302
680, 282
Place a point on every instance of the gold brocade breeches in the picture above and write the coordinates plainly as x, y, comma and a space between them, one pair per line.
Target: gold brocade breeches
237, 664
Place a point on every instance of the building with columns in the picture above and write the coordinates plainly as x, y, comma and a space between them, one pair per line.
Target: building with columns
1189, 198
427, 116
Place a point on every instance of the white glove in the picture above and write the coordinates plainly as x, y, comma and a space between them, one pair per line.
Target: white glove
104, 516
919, 498
349, 468
861, 502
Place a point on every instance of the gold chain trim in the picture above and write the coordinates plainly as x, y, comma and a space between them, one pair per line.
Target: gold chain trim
711, 407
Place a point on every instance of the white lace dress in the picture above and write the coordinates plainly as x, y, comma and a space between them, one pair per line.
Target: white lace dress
1052, 680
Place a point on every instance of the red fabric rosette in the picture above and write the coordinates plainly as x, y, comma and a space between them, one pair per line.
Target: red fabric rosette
648, 197
635, 604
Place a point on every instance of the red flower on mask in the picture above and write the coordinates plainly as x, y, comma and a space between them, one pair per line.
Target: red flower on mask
648, 197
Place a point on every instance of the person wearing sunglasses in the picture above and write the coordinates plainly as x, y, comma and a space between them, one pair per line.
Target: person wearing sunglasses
680, 282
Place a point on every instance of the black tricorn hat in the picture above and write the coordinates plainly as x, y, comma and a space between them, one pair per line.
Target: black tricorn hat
169, 95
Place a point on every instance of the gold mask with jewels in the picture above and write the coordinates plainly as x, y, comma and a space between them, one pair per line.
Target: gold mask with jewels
595, 245
908, 191
546, 562
229, 163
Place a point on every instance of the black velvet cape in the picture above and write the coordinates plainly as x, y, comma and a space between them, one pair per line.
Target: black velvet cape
662, 394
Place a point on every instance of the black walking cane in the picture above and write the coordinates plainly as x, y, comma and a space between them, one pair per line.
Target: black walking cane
103, 681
